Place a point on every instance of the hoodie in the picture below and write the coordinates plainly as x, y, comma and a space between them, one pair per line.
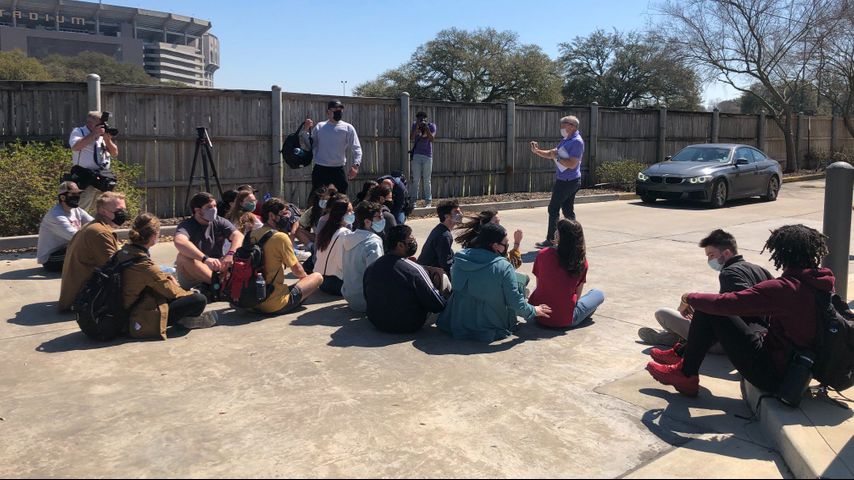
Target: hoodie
486, 298
789, 302
361, 248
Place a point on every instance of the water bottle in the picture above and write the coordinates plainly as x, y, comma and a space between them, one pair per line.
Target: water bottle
797, 379
260, 287
167, 269
215, 286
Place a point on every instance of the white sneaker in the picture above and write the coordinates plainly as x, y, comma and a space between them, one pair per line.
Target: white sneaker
302, 255
205, 320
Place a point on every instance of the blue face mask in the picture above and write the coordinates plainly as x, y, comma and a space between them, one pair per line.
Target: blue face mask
349, 218
249, 207
715, 265
378, 225
322, 203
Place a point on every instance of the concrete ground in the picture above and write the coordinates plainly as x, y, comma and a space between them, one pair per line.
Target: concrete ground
320, 393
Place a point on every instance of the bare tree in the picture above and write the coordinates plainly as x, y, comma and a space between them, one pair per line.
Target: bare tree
834, 63
742, 42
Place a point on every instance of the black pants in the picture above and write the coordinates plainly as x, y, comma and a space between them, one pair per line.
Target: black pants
563, 198
55, 260
189, 306
743, 345
332, 285
322, 176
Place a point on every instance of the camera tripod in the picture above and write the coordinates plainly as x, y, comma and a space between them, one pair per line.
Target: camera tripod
203, 147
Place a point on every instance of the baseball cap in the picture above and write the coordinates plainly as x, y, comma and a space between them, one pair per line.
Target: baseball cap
334, 104
68, 186
420, 115
247, 187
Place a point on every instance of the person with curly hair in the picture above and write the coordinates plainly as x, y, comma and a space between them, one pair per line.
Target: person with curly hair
561, 273
469, 228
788, 301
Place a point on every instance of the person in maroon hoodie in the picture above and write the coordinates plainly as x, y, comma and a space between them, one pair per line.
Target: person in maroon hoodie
788, 301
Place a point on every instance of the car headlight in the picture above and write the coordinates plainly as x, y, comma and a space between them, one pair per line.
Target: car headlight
642, 177
703, 179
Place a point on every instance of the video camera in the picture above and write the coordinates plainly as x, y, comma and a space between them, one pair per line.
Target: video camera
104, 117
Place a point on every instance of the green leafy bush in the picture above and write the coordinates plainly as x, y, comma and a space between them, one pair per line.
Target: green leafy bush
30, 177
822, 158
620, 174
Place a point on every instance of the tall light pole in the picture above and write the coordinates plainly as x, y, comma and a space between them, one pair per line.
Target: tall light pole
344, 88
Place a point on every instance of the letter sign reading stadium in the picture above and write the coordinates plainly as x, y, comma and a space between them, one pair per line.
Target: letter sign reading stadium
33, 18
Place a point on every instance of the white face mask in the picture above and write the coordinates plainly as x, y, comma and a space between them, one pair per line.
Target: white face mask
715, 265
564, 133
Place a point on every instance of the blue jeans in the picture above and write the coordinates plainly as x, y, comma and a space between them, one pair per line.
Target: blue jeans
422, 170
587, 304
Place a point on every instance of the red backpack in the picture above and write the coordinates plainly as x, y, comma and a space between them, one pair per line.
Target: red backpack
242, 289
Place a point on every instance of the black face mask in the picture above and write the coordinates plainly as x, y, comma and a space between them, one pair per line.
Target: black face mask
411, 248
72, 202
120, 217
283, 224
336, 115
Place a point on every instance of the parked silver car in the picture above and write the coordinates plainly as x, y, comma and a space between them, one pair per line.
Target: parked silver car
712, 172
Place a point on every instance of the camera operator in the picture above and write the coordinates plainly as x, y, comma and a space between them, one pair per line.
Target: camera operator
91, 149
422, 134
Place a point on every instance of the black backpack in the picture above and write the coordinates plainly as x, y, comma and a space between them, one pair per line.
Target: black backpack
293, 154
834, 360
99, 308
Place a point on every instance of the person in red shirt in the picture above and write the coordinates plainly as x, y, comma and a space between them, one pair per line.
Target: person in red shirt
561, 273
762, 358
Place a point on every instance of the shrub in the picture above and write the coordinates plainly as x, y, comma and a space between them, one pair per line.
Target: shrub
31, 175
821, 159
620, 174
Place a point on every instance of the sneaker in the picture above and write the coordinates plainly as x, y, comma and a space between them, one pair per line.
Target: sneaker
665, 357
651, 336
302, 255
544, 244
672, 375
205, 320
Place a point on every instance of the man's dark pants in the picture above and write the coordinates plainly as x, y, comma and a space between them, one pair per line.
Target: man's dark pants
322, 176
563, 198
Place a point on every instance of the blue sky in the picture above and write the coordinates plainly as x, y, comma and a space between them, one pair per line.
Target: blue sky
312, 46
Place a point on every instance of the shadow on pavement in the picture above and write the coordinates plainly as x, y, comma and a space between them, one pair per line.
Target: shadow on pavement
37, 273
77, 341
36, 314
693, 204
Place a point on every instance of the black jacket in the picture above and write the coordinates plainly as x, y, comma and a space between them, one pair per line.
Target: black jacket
739, 274
399, 295
437, 251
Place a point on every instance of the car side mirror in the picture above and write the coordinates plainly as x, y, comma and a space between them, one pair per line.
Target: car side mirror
667, 158
741, 161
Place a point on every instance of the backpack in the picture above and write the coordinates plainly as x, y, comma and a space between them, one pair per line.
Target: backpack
834, 360
240, 289
99, 308
293, 154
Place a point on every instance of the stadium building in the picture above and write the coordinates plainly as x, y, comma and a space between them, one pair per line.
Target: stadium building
168, 46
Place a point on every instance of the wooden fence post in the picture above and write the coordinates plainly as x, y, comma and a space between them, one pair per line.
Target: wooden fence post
93, 87
404, 133
593, 137
716, 125
510, 147
662, 134
798, 129
276, 140
833, 138
760, 143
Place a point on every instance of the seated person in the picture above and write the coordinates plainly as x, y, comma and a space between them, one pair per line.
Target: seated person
330, 244
247, 223
735, 274
486, 298
154, 299
278, 256
382, 195
245, 202
398, 291
199, 240
788, 301
399, 196
362, 196
228, 198
561, 273
362, 248
317, 201
58, 225
92, 246
469, 228
437, 251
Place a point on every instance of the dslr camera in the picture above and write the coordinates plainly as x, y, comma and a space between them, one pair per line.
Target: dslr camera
105, 116
421, 123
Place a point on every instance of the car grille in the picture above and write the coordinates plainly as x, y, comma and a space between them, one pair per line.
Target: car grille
668, 180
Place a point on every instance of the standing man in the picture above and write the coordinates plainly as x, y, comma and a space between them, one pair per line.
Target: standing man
58, 225
422, 134
567, 157
329, 141
91, 148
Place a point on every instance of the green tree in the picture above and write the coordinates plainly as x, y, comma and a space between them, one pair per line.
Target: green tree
478, 66
75, 69
15, 65
626, 70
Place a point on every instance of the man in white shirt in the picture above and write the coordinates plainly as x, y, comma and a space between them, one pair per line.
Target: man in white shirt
91, 148
58, 225
329, 142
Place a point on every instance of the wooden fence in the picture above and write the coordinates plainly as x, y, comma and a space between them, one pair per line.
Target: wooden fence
475, 152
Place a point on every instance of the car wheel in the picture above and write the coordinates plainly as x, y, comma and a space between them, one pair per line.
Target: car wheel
773, 189
647, 198
719, 194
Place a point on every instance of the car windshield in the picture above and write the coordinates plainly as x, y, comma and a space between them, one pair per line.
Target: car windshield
702, 154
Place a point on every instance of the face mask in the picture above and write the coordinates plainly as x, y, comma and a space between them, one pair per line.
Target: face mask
120, 217
209, 214
349, 218
715, 265
336, 115
378, 225
283, 224
249, 207
564, 133
322, 203
257, 224
411, 248
72, 202
457, 217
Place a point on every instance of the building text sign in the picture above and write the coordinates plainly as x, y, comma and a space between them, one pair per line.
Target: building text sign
41, 18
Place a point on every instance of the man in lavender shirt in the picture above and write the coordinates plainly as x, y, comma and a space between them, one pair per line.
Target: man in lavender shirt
422, 134
567, 157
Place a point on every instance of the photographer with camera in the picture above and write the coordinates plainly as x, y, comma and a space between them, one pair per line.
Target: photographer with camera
91, 150
422, 134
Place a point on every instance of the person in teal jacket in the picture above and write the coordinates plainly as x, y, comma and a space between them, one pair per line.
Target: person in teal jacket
486, 297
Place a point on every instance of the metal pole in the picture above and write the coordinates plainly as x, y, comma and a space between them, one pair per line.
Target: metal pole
93, 87
837, 222
593, 138
276, 139
662, 133
404, 133
716, 125
510, 146
760, 143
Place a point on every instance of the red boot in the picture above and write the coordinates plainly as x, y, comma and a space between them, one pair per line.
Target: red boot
672, 375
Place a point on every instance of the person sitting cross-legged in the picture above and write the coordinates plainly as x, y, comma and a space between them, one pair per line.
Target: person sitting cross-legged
361, 248
59, 225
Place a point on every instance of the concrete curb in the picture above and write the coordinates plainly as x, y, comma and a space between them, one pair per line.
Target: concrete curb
804, 178
804, 449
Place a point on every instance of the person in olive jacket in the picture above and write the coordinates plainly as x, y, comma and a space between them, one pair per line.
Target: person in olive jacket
154, 299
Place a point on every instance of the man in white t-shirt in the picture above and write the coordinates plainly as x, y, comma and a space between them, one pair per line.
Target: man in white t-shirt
91, 148
58, 225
